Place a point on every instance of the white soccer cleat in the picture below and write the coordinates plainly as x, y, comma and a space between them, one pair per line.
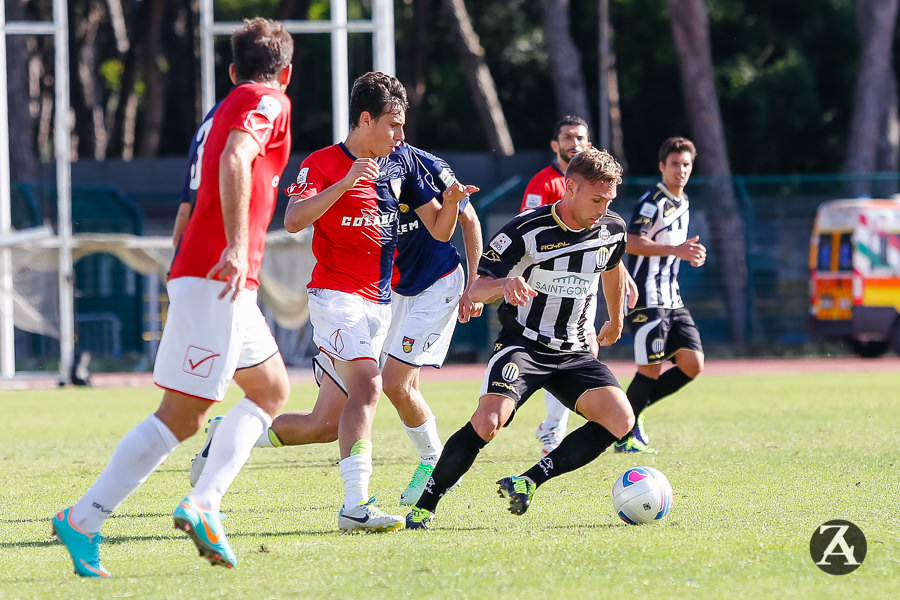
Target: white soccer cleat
550, 438
199, 460
367, 518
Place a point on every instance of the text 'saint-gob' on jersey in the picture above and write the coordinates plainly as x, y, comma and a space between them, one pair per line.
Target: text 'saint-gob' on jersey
421, 260
354, 241
562, 265
663, 218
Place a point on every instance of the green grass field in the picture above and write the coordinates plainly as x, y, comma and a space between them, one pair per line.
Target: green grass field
756, 465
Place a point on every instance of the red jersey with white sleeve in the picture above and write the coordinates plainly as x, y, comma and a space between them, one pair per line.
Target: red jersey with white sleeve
354, 240
546, 187
264, 113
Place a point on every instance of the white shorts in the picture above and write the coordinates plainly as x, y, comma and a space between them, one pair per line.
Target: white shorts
347, 326
205, 339
422, 325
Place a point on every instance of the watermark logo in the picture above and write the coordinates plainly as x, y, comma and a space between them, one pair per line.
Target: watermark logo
838, 547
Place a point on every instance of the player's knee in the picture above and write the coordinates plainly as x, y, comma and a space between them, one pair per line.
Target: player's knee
691, 364
487, 426
397, 391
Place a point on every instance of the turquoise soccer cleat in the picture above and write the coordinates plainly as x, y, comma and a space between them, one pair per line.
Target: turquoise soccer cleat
84, 548
205, 529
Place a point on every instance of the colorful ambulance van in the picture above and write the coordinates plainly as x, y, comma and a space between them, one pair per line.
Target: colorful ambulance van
854, 263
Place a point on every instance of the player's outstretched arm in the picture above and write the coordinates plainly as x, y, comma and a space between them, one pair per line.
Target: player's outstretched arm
440, 218
514, 290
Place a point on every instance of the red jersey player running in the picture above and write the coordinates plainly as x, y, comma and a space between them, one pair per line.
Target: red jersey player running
350, 193
215, 331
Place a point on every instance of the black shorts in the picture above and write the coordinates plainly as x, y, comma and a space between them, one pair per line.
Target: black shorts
519, 367
661, 332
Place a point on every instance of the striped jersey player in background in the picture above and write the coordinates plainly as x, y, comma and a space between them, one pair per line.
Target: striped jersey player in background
662, 327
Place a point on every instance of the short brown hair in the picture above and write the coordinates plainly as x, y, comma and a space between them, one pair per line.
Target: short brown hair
376, 94
262, 48
676, 145
595, 165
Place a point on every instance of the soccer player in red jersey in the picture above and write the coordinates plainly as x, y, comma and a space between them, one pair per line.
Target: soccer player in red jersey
215, 331
350, 193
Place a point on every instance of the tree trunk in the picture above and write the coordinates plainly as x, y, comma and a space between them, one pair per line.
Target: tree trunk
565, 61
875, 23
484, 92
154, 80
610, 113
411, 63
690, 32
90, 125
22, 156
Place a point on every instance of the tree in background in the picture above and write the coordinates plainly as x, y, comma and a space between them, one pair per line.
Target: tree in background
690, 32
481, 83
874, 125
569, 88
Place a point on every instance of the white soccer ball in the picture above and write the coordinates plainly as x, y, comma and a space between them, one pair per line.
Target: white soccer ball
642, 495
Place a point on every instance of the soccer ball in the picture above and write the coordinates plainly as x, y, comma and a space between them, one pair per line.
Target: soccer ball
642, 495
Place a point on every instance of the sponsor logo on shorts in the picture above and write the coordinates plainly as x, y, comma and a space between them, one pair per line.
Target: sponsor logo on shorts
498, 347
640, 318
502, 384
199, 361
337, 340
431, 340
510, 371
408, 344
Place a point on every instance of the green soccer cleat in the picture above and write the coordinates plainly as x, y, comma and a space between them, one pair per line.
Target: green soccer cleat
84, 548
519, 490
416, 486
205, 530
639, 433
633, 445
419, 518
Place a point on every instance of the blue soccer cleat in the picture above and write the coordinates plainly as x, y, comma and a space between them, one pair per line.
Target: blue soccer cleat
205, 529
84, 548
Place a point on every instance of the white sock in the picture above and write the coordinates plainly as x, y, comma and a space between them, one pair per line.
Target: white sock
137, 455
557, 414
425, 439
265, 440
356, 470
230, 449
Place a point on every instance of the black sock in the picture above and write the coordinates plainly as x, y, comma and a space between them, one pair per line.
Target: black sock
457, 457
639, 391
576, 450
668, 383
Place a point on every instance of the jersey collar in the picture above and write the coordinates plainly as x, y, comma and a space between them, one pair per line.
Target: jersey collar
669, 195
